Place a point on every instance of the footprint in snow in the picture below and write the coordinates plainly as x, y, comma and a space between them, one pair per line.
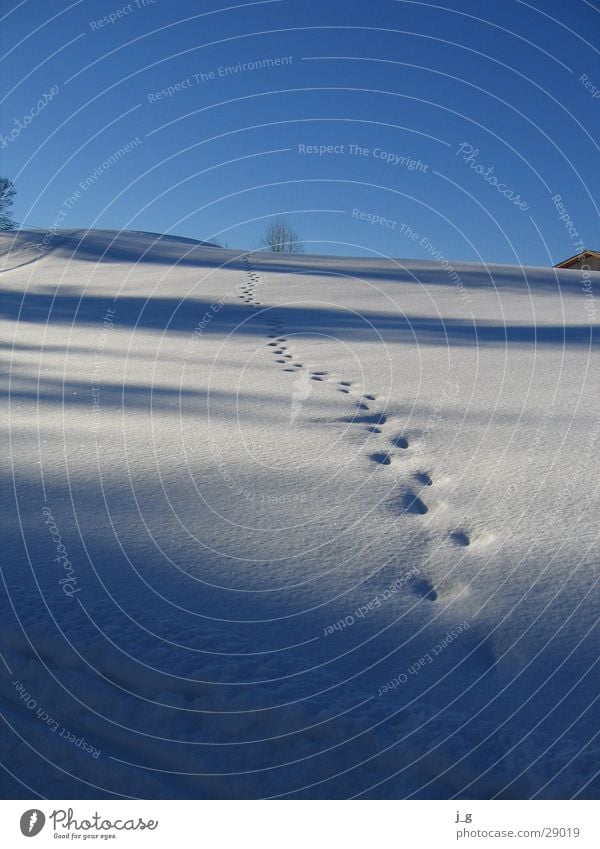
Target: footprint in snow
423, 478
367, 419
425, 589
410, 503
460, 537
381, 457
400, 442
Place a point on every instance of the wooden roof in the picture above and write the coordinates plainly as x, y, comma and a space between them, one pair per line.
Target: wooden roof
577, 258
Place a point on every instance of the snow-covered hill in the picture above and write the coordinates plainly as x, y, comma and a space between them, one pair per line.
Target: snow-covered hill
302, 527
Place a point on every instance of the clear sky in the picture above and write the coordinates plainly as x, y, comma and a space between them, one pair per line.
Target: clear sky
460, 122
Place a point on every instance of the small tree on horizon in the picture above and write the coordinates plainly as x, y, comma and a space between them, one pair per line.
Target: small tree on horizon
7, 193
281, 238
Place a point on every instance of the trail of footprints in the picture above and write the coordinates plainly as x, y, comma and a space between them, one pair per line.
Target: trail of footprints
412, 499
247, 292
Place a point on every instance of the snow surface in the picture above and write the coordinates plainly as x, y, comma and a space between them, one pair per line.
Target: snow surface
326, 527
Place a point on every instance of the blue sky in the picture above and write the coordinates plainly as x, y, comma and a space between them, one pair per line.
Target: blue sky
460, 122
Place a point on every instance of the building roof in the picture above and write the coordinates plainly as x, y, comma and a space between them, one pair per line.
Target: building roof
566, 263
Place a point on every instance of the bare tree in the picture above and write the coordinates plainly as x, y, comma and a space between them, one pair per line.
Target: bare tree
281, 238
7, 193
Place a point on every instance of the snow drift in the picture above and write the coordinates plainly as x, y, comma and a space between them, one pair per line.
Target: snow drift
295, 526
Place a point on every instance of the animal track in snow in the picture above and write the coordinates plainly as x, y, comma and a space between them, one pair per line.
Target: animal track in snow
409, 502
460, 537
381, 457
368, 419
425, 589
480, 539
